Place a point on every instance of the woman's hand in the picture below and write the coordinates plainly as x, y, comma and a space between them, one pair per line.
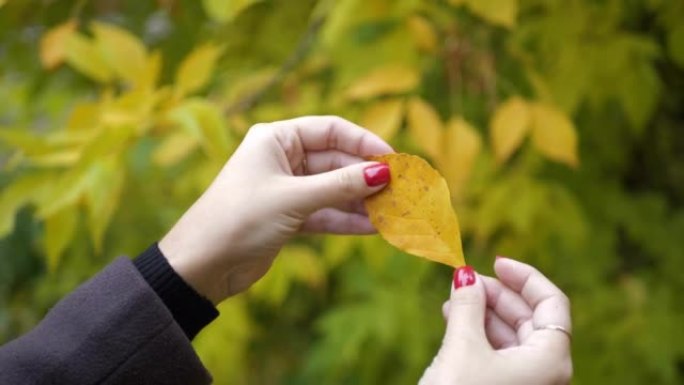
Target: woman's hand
504, 331
301, 174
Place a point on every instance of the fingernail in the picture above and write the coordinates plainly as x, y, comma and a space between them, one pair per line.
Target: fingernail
376, 174
464, 276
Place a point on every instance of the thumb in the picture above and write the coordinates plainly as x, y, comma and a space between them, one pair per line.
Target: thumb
466, 323
342, 185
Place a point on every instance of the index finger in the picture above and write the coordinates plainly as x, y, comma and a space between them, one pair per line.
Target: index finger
549, 304
319, 133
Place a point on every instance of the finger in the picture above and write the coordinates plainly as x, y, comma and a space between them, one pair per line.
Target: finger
509, 306
331, 132
499, 334
328, 160
550, 306
339, 186
465, 324
333, 221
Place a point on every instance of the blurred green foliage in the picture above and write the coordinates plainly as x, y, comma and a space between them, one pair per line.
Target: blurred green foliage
98, 160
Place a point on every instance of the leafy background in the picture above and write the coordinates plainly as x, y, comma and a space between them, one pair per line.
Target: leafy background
559, 125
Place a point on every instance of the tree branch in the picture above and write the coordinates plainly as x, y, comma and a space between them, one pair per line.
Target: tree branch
300, 52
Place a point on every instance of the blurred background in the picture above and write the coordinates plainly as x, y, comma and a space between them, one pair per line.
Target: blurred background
558, 124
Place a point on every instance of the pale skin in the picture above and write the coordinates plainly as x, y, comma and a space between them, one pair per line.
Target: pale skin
307, 175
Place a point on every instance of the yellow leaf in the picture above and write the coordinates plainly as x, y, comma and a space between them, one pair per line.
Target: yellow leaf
204, 122
14, 196
59, 230
414, 211
224, 11
462, 146
384, 117
52, 44
102, 197
197, 68
510, 124
425, 126
388, 79
84, 116
174, 148
553, 134
500, 12
124, 53
82, 54
63, 191
423, 33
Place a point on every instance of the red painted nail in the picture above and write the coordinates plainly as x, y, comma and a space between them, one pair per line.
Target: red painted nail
464, 276
376, 174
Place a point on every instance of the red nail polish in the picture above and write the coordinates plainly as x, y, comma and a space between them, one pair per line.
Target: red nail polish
464, 276
376, 174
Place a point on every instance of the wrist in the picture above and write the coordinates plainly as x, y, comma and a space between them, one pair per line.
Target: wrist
194, 265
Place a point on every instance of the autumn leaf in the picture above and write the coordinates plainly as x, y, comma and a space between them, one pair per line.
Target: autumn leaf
425, 126
59, 230
197, 68
462, 146
125, 54
52, 44
384, 117
553, 134
224, 11
500, 12
423, 33
510, 124
388, 79
414, 211
82, 54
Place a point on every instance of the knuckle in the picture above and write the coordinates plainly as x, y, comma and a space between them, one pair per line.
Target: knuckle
345, 184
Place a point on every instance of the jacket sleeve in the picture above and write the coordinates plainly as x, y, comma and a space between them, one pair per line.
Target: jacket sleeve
113, 329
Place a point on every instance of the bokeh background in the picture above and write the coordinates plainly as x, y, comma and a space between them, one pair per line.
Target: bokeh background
559, 125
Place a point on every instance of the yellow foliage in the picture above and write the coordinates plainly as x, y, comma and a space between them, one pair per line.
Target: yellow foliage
385, 80
423, 33
553, 134
425, 126
462, 146
82, 54
124, 53
52, 44
102, 196
197, 68
59, 229
414, 211
384, 117
224, 11
509, 125
499, 12
174, 148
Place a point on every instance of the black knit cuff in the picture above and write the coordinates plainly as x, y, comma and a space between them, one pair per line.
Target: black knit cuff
191, 311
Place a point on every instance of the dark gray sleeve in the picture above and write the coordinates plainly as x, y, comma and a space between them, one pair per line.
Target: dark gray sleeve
113, 329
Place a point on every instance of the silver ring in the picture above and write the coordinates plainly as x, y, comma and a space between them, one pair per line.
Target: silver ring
554, 327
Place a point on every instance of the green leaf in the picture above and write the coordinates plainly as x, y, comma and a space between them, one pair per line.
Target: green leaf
675, 44
59, 230
224, 11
